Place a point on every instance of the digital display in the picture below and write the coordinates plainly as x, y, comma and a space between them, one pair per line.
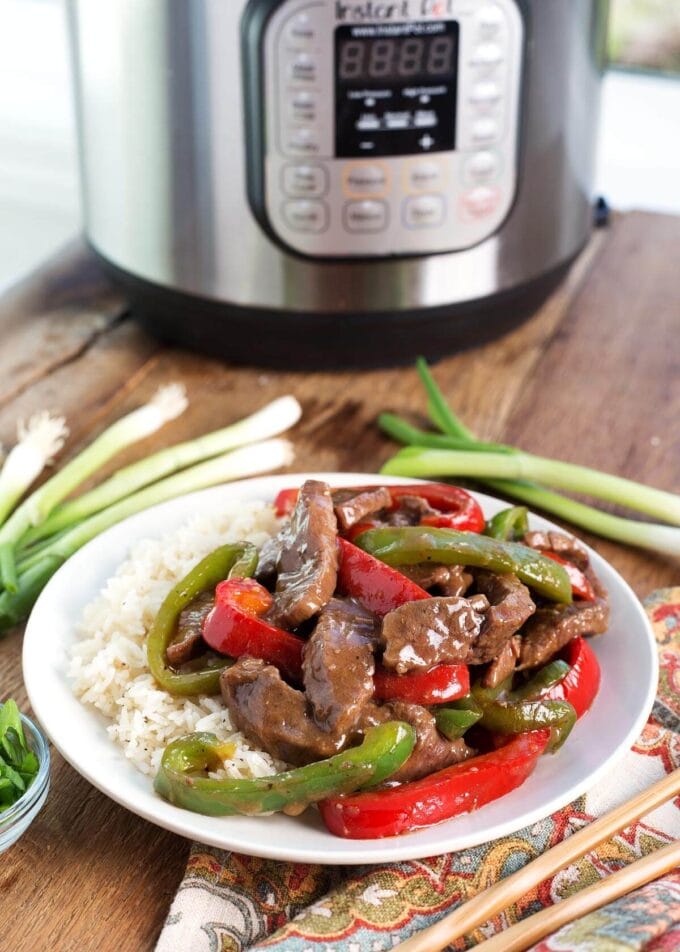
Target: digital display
405, 58
396, 88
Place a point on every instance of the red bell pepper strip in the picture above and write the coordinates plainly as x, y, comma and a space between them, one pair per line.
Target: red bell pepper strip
439, 685
377, 586
457, 508
235, 627
447, 793
580, 584
580, 685
285, 502
360, 527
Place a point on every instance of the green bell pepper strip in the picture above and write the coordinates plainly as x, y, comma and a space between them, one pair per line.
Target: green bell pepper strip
509, 524
544, 679
415, 544
230, 561
502, 717
384, 749
453, 723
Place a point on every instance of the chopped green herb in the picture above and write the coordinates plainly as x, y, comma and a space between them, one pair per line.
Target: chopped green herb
18, 764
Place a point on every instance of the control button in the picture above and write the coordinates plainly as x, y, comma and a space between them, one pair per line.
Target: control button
487, 54
301, 30
306, 216
424, 176
480, 202
490, 19
303, 106
485, 93
365, 216
305, 181
425, 119
302, 142
303, 68
485, 130
366, 179
425, 211
482, 167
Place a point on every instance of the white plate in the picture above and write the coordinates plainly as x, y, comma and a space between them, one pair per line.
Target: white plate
627, 654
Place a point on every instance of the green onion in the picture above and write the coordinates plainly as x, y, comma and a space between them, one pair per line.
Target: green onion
168, 403
456, 452
18, 764
415, 461
37, 443
35, 570
275, 418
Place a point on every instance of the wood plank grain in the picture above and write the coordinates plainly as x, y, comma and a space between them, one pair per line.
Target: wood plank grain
46, 320
606, 391
593, 360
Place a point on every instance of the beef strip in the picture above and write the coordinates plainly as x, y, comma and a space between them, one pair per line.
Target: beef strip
432, 751
352, 506
268, 559
431, 631
510, 604
189, 636
554, 626
561, 543
273, 715
338, 665
411, 510
503, 666
308, 560
444, 579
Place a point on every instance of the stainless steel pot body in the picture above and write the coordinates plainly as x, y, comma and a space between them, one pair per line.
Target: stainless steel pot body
161, 120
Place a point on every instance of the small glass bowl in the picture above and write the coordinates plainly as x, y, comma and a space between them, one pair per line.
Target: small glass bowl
16, 819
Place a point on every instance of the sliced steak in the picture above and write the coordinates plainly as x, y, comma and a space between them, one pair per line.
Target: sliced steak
189, 638
308, 561
561, 543
444, 579
352, 506
338, 665
510, 604
420, 634
273, 715
503, 666
432, 751
410, 511
554, 626
268, 559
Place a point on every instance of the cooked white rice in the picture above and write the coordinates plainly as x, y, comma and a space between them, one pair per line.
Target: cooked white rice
108, 663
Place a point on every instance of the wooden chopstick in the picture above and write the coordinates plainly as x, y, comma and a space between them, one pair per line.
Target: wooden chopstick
482, 907
526, 933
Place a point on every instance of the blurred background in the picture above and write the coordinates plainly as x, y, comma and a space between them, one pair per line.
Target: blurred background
639, 150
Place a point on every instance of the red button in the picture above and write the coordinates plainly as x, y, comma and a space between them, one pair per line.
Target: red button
480, 202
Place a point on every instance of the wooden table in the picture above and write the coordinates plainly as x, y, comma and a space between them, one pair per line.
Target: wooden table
592, 378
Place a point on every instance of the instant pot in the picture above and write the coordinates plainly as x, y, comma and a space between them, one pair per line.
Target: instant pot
336, 182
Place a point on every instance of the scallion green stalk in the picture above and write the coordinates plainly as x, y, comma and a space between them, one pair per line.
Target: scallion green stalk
467, 456
275, 418
168, 403
404, 432
36, 569
415, 461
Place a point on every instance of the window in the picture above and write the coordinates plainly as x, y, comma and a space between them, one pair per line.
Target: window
645, 34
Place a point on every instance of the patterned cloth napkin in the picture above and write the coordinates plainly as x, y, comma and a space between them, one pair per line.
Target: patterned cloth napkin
228, 902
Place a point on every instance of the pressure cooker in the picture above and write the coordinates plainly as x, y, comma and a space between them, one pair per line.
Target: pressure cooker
336, 182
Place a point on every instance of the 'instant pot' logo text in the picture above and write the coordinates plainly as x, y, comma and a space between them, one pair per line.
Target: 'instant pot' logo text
356, 11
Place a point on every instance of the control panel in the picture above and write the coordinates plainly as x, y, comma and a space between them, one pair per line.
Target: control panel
389, 128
